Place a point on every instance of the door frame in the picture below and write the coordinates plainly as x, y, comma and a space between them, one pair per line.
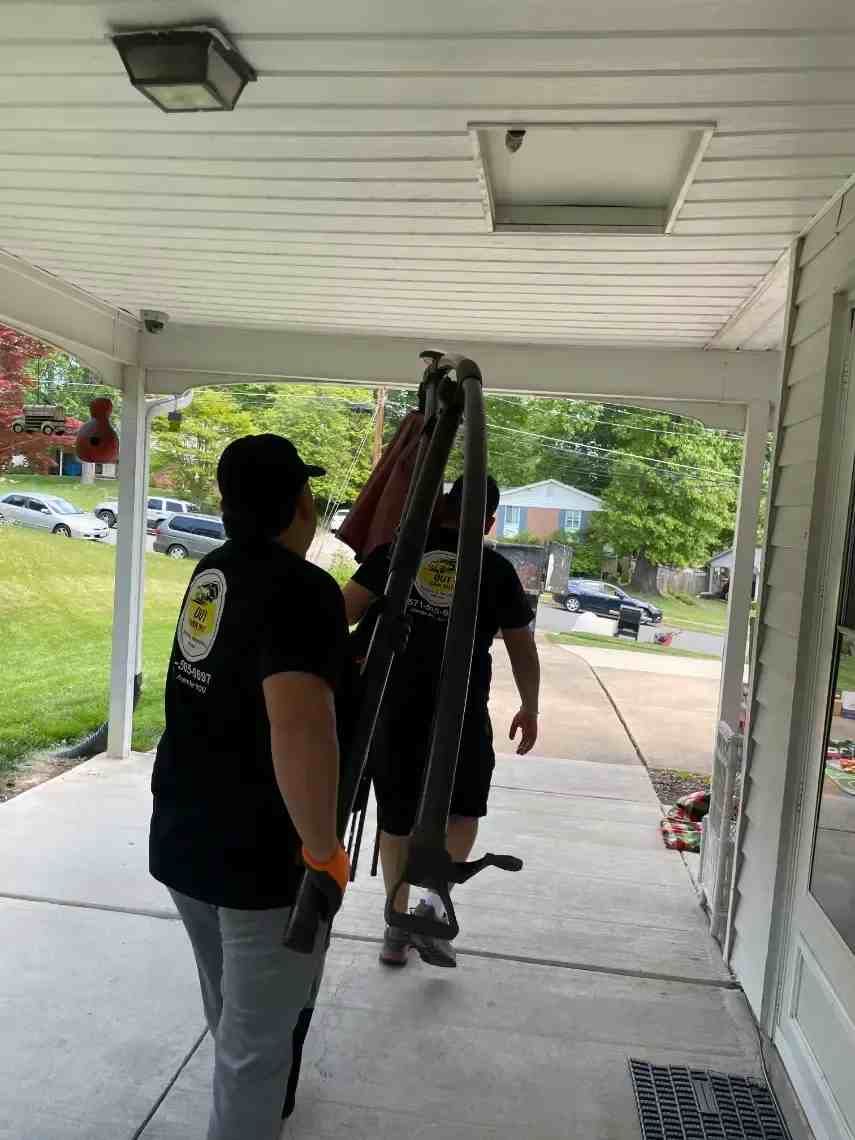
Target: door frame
808, 939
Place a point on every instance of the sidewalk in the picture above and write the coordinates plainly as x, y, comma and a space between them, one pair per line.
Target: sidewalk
596, 951
666, 665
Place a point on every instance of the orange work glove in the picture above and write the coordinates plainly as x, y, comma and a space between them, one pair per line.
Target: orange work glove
329, 878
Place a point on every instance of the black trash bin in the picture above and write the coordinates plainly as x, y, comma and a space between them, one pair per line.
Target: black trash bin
629, 622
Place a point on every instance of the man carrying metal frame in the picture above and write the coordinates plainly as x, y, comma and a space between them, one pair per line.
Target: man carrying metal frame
404, 729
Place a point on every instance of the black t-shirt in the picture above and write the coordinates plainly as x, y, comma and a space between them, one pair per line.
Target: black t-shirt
220, 831
502, 605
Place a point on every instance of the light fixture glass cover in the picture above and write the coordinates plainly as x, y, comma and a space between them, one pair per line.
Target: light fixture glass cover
185, 69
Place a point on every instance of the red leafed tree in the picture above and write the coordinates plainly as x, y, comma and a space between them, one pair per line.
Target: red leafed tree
16, 389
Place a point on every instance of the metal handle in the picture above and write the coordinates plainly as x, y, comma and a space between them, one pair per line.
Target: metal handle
433, 868
309, 908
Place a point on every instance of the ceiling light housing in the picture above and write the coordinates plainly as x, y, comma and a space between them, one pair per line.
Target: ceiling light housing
184, 69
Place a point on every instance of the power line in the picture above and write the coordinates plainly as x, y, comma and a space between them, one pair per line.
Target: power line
618, 409
597, 465
588, 448
593, 473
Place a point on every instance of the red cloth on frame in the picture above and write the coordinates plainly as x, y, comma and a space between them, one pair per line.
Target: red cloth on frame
376, 514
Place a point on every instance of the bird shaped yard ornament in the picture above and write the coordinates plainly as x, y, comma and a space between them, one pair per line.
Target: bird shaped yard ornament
97, 441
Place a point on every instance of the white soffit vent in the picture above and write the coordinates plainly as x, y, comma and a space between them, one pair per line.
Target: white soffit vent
588, 177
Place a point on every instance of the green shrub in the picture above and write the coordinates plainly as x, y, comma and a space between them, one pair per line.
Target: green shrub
342, 568
524, 538
588, 553
684, 599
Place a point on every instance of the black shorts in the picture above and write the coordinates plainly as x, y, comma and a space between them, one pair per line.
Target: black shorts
399, 757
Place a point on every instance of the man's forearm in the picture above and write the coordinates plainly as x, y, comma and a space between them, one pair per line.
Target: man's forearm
306, 765
526, 669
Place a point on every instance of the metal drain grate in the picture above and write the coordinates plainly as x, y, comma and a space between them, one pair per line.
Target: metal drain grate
678, 1103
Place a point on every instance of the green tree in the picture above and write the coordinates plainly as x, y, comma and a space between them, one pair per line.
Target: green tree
672, 494
589, 553
188, 457
329, 425
58, 378
532, 438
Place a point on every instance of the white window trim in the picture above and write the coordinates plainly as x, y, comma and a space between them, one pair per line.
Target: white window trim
513, 521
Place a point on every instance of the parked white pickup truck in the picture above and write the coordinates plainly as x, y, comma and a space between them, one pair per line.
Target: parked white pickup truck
157, 509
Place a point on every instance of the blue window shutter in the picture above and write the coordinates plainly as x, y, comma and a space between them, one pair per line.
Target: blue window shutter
500, 522
523, 518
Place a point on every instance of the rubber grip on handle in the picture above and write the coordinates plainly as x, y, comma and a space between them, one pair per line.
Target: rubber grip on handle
302, 930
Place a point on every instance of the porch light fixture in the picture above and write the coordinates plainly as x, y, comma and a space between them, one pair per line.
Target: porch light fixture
185, 69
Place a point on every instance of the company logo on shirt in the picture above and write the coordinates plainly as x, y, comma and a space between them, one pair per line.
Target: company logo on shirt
436, 577
201, 616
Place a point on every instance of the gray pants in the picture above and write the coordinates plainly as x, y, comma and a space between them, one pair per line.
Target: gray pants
253, 990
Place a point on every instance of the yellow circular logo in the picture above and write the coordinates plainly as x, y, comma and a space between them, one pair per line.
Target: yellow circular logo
436, 577
200, 618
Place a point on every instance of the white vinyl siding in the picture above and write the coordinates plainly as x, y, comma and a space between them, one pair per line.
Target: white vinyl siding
824, 258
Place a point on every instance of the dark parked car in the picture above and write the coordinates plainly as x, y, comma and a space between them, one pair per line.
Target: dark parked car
589, 595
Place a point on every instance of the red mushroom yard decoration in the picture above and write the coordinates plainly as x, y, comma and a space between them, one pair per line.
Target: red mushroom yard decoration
97, 441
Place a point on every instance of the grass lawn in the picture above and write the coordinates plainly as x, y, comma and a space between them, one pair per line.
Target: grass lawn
699, 615
56, 601
595, 641
846, 675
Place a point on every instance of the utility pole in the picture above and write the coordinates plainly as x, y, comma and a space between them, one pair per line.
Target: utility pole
379, 420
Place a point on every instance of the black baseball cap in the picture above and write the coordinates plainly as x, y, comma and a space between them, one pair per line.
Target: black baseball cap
454, 498
261, 473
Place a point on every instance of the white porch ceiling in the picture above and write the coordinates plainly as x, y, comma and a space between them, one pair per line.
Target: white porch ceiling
342, 194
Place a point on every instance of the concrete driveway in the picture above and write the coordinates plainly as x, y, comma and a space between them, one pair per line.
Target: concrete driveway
602, 704
671, 719
577, 721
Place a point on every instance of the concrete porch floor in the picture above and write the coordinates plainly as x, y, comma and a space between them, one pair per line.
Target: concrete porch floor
596, 951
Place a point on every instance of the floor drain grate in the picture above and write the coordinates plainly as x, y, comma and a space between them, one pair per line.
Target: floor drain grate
678, 1103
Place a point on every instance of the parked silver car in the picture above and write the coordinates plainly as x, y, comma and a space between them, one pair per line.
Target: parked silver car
189, 536
157, 509
49, 512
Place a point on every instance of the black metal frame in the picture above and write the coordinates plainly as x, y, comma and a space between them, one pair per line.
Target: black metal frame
429, 864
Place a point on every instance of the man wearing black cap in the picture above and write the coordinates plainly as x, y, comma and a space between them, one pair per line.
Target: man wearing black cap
404, 731
246, 775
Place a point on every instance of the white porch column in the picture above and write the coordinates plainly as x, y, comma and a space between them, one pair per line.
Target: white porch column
742, 574
130, 547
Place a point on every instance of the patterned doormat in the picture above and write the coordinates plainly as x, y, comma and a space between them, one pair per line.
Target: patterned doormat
678, 1103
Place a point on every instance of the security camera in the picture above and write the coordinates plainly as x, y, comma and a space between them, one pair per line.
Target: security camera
514, 139
154, 321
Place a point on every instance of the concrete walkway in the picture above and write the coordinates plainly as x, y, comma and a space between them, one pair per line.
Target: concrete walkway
669, 717
577, 721
665, 665
595, 952
668, 705
672, 720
